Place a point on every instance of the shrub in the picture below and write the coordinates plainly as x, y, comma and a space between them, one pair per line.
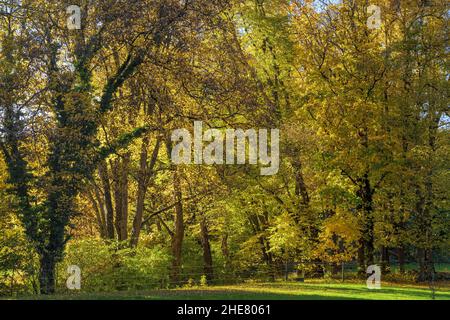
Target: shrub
18, 262
203, 281
104, 267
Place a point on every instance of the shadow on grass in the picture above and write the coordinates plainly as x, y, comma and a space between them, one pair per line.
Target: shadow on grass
262, 291
191, 295
359, 291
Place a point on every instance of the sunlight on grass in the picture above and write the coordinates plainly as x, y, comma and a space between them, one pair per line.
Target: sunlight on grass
313, 290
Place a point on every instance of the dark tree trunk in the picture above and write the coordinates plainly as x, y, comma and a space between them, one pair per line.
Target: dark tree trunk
300, 186
104, 177
120, 173
124, 194
145, 173
142, 188
258, 227
425, 251
336, 268
365, 193
177, 238
71, 152
426, 265
207, 256
225, 250
47, 274
385, 263
361, 259
99, 213
116, 176
401, 259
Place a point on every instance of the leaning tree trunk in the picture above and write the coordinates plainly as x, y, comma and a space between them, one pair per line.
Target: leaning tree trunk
120, 172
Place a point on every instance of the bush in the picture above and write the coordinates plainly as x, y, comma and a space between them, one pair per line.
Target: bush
18, 262
104, 267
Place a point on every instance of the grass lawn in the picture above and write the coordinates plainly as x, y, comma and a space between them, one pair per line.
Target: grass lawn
311, 290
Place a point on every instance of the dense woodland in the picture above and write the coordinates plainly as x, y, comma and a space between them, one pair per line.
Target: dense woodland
86, 117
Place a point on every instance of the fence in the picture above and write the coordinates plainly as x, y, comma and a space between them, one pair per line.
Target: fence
118, 278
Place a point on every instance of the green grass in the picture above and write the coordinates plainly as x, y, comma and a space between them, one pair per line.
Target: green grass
311, 290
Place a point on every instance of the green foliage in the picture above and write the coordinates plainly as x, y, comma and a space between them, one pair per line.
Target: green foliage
203, 281
18, 261
105, 268
364, 151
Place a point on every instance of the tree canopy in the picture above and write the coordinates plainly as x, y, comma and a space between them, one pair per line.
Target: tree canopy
87, 114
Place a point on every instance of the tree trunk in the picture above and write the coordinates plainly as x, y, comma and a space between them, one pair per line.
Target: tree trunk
145, 172
426, 271
425, 251
361, 258
47, 274
207, 256
225, 250
115, 170
124, 194
142, 188
104, 177
258, 228
97, 205
385, 264
365, 193
426, 265
177, 239
120, 174
401, 259
300, 186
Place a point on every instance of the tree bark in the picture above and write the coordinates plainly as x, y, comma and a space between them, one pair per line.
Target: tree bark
120, 174
258, 228
225, 250
142, 188
401, 259
361, 258
47, 273
99, 213
145, 173
104, 177
177, 239
385, 263
300, 186
124, 194
207, 256
116, 178
365, 193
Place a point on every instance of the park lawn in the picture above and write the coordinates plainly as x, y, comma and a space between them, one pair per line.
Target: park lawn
311, 290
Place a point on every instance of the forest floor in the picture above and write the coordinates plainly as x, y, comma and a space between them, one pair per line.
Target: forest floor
310, 290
